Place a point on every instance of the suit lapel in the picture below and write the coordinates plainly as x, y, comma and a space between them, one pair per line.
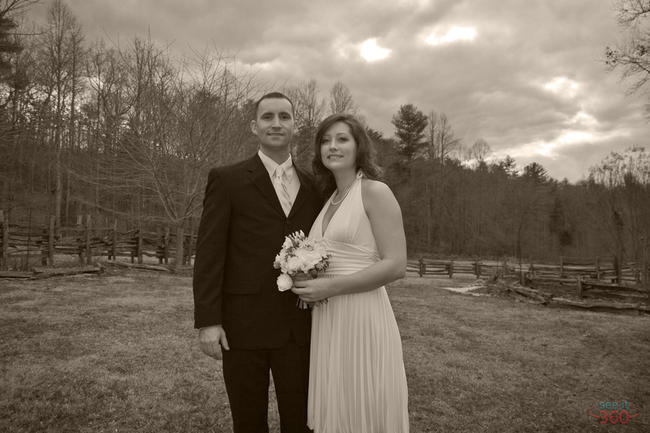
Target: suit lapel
260, 178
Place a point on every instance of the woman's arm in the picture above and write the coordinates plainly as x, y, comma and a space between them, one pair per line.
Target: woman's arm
386, 221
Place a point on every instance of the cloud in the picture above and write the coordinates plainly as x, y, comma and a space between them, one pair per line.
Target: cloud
562, 86
526, 76
372, 52
454, 34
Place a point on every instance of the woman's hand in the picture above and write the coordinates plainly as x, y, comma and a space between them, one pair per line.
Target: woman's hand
313, 290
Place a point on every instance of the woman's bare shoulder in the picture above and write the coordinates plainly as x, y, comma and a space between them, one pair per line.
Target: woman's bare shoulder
375, 193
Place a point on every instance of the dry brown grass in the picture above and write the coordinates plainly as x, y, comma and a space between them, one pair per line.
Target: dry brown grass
494, 364
117, 352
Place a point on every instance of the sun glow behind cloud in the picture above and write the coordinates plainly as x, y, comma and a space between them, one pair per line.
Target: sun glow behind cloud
562, 86
372, 52
552, 148
419, 4
454, 34
578, 130
584, 119
566, 138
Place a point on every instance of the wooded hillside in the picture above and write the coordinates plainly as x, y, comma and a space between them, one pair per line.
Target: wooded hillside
128, 133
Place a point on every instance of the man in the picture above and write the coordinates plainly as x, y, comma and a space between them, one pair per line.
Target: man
248, 209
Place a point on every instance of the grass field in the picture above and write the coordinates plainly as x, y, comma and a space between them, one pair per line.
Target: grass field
117, 353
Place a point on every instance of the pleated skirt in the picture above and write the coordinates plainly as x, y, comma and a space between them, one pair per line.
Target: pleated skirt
357, 382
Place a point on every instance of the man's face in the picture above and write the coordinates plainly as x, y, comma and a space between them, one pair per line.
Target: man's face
274, 125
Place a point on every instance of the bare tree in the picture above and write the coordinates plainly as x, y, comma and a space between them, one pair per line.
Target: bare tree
179, 125
308, 108
341, 99
615, 167
633, 56
59, 78
108, 102
479, 150
12, 7
446, 140
624, 193
77, 58
15, 63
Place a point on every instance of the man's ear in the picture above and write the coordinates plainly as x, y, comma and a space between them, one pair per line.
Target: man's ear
254, 126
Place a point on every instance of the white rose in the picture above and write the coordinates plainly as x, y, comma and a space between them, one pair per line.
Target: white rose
284, 282
287, 243
308, 260
293, 264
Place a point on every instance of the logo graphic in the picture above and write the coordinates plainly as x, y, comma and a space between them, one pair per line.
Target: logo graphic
614, 412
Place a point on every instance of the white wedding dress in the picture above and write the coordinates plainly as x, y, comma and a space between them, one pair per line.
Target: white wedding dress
357, 382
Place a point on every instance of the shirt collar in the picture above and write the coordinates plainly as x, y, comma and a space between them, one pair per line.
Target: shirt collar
271, 165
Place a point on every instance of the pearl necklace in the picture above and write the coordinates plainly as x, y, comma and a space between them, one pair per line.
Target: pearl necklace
345, 194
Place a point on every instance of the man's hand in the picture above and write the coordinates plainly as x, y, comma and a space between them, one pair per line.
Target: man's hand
210, 338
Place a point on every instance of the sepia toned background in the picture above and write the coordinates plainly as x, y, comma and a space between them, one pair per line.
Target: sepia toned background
514, 135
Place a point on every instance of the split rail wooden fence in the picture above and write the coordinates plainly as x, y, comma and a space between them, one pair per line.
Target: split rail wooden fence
586, 277
21, 246
448, 268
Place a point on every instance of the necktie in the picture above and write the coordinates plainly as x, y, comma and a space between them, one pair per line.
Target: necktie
280, 180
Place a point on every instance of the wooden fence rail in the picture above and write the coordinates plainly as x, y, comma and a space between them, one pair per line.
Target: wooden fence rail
448, 268
588, 276
19, 245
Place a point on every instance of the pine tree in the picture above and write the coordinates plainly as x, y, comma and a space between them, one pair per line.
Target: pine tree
410, 124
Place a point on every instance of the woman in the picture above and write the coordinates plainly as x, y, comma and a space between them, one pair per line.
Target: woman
357, 382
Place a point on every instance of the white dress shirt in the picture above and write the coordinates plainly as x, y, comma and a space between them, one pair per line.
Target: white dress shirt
292, 180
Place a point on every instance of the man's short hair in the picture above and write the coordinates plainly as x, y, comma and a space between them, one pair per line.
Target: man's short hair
273, 95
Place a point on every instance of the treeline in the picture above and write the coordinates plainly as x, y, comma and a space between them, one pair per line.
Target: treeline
129, 132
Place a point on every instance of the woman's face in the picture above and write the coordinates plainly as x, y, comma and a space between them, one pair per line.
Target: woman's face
338, 148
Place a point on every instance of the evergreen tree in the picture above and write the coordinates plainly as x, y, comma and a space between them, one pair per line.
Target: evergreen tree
535, 172
9, 44
410, 124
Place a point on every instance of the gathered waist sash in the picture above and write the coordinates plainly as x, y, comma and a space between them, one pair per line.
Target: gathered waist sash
349, 258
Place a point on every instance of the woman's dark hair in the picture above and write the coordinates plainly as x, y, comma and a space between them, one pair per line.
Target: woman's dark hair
366, 153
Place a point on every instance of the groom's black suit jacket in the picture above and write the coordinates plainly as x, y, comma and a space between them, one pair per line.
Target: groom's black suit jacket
242, 229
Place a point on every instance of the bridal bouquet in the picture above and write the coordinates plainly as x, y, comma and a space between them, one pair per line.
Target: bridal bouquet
300, 257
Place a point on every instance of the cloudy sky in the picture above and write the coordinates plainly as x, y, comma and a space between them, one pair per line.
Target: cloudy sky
525, 75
